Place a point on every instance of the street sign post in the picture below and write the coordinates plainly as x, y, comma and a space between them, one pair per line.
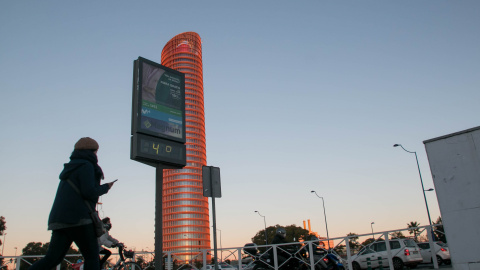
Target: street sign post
212, 188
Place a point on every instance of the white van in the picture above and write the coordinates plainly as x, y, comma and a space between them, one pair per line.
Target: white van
405, 252
443, 254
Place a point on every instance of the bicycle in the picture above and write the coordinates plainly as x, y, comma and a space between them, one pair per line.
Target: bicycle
76, 266
122, 263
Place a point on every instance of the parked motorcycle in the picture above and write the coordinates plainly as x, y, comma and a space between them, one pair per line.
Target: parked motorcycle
330, 260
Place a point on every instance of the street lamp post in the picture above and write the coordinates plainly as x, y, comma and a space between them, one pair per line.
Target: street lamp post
325, 215
265, 223
423, 189
373, 235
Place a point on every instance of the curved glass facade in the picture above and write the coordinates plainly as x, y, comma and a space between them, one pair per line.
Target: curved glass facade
186, 219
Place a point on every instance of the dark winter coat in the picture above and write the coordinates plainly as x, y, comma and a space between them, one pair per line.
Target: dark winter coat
283, 250
277, 239
69, 208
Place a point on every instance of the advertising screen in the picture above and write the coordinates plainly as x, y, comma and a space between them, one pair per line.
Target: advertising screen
158, 115
161, 101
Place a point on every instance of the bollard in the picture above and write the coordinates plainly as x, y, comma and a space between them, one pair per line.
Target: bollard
380, 265
369, 264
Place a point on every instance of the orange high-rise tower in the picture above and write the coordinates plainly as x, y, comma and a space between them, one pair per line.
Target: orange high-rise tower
186, 225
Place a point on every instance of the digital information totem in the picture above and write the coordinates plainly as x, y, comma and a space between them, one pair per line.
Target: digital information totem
158, 128
158, 115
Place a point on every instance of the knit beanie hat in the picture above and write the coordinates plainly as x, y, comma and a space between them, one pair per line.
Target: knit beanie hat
86, 143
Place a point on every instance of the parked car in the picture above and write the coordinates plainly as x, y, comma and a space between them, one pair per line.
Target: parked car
405, 252
442, 252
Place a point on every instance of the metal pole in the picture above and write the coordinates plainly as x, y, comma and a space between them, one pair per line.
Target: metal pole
424, 196
158, 218
325, 215
214, 219
373, 235
221, 250
421, 182
214, 234
326, 226
265, 223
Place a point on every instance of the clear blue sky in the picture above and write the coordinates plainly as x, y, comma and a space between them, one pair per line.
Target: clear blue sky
299, 96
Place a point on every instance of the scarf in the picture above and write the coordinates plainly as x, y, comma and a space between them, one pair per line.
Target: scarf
92, 158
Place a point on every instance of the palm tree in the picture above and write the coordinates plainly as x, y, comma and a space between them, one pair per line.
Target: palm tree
416, 231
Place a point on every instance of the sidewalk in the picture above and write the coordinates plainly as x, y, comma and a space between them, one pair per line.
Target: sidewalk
430, 266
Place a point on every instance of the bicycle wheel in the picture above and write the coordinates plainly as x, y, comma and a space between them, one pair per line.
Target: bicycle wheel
130, 266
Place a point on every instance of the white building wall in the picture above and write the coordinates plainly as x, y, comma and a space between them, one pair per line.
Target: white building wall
455, 166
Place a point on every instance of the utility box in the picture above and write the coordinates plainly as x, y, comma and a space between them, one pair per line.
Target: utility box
455, 166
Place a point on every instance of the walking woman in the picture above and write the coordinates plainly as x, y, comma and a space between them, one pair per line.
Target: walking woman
69, 218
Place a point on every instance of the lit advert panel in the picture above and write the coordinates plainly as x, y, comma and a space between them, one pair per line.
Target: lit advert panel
158, 115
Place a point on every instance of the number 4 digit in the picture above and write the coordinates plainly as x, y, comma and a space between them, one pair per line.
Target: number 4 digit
158, 146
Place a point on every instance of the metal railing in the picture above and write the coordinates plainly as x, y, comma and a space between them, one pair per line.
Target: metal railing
237, 257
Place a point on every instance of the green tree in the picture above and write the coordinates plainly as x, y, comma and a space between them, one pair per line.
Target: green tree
397, 234
415, 231
33, 248
37, 248
3, 227
353, 241
294, 234
340, 249
368, 241
439, 231
150, 265
141, 261
259, 237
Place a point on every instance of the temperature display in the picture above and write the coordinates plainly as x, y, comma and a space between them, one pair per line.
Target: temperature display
156, 149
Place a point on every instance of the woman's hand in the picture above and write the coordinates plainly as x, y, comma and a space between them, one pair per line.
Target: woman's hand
111, 184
